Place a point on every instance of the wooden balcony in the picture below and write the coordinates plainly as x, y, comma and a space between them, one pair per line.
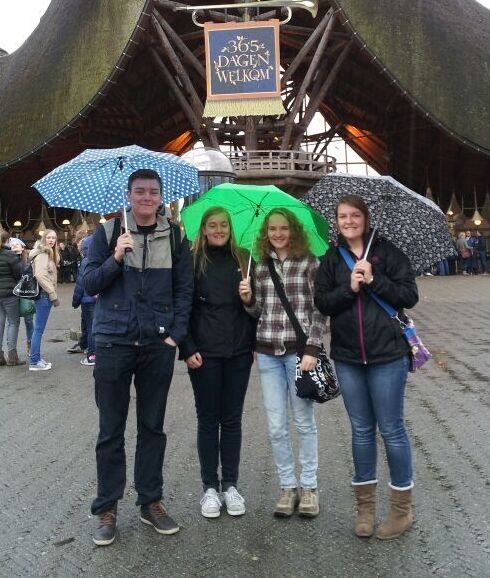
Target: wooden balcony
293, 171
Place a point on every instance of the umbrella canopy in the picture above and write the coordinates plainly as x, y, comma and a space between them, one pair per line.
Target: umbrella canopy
416, 225
248, 205
97, 179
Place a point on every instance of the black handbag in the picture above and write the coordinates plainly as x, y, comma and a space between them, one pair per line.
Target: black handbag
27, 287
319, 384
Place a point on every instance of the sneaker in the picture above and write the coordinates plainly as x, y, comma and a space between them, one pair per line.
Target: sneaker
211, 504
89, 360
288, 500
465, 273
235, 504
106, 531
155, 515
75, 348
41, 365
308, 505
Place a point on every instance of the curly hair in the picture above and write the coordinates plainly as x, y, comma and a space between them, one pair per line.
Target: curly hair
299, 244
201, 257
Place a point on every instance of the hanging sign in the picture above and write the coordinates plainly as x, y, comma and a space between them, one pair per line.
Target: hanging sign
242, 69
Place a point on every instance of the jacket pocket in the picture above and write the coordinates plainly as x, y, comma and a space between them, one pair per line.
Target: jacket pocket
113, 320
164, 317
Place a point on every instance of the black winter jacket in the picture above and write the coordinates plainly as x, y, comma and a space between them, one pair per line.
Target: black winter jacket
10, 271
362, 332
219, 325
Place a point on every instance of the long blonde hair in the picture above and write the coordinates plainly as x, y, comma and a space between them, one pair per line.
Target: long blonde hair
53, 253
199, 246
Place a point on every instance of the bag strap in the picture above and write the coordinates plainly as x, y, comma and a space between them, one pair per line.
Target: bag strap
300, 334
349, 261
175, 237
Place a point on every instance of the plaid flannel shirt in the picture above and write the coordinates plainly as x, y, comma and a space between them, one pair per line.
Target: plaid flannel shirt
275, 332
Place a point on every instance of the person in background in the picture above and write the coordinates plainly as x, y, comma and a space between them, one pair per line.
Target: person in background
464, 252
45, 259
10, 274
481, 252
371, 360
65, 263
283, 240
18, 247
87, 303
81, 345
74, 258
218, 351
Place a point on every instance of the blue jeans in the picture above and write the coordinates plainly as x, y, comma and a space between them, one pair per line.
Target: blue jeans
86, 323
373, 395
43, 307
29, 323
277, 376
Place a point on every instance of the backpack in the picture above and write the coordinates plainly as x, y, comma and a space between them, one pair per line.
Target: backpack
175, 239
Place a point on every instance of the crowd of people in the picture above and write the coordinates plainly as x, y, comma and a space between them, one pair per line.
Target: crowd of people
144, 292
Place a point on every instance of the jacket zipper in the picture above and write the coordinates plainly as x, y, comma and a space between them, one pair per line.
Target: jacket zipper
361, 331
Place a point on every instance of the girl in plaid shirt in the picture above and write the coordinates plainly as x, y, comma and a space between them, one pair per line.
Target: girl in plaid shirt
283, 239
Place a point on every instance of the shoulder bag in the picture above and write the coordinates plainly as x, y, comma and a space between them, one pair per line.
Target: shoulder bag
27, 287
419, 354
319, 384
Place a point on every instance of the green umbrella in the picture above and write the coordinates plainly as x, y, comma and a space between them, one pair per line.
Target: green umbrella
248, 205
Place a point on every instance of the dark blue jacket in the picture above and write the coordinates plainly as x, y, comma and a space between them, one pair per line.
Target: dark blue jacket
79, 294
147, 298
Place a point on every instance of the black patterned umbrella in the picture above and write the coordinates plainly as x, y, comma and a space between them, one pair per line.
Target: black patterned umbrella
416, 225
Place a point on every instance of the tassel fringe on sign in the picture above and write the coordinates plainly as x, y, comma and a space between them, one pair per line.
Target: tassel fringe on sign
244, 107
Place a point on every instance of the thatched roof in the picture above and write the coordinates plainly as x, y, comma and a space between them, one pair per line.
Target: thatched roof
438, 52
55, 77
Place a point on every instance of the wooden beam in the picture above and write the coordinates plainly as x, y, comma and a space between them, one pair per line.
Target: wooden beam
312, 69
306, 48
317, 99
186, 52
195, 101
179, 95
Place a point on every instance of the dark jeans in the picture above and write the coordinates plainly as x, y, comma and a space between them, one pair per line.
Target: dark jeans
87, 339
152, 367
219, 387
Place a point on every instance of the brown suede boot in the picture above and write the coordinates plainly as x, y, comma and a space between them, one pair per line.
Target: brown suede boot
13, 358
366, 505
399, 517
2, 359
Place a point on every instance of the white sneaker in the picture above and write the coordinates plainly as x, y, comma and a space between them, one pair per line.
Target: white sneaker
41, 365
235, 504
211, 504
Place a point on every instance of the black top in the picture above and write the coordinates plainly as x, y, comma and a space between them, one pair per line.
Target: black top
10, 271
219, 325
362, 332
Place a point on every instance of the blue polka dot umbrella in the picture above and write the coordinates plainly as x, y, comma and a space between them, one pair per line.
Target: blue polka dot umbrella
97, 179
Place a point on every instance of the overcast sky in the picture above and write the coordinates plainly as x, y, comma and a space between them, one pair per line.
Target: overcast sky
18, 18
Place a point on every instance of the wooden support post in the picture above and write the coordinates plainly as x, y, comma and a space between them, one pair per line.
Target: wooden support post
320, 95
186, 52
186, 107
306, 48
304, 85
195, 101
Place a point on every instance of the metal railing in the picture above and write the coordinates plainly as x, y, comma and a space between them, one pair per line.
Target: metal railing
281, 161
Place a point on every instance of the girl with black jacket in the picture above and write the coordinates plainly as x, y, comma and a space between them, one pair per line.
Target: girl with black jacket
218, 352
371, 359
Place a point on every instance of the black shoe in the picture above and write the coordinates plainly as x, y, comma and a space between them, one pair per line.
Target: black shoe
106, 531
155, 515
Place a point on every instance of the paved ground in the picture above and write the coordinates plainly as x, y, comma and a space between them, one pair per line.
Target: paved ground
48, 427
